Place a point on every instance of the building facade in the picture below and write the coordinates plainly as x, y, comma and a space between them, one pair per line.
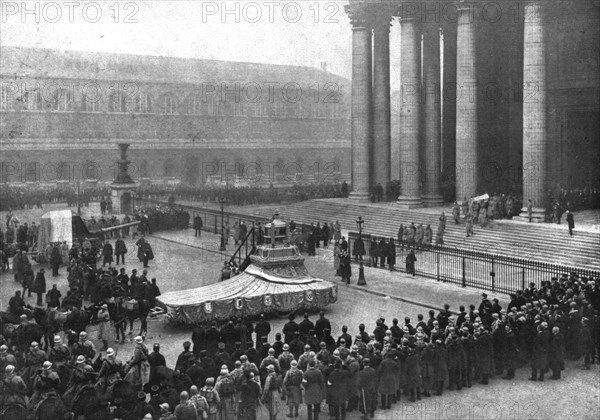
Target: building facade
63, 113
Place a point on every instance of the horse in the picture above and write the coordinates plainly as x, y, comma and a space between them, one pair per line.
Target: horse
133, 311
86, 402
57, 319
50, 407
9, 323
77, 319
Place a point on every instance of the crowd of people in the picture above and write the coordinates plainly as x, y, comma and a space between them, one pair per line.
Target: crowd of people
228, 371
36, 195
240, 196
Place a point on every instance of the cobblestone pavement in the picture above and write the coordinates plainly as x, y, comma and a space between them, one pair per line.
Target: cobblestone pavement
184, 262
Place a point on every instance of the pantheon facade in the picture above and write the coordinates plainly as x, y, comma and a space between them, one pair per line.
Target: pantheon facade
501, 94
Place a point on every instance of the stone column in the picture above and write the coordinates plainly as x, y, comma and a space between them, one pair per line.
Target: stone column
361, 121
432, 118
449, 102
410, 104
381, 98
466, 106
534, 111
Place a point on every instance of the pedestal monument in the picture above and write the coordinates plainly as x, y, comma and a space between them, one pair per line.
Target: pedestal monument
123, 187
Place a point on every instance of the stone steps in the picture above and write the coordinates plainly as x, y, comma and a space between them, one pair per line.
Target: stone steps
530, 241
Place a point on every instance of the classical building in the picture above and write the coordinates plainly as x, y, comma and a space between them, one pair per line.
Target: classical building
62, 114
495, 96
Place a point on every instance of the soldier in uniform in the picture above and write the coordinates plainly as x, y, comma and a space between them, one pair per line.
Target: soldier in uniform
111, 370
226, 389
314, 390
271, 391
15, 389
291, 383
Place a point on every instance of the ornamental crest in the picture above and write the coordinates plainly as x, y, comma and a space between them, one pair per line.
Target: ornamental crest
208, 307
309, 295
268, 300
238, 303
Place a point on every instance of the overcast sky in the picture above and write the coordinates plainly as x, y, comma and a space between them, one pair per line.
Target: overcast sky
305, 33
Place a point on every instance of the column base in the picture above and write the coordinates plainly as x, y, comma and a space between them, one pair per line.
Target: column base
359, 197
408, 203
538, 215
432, 200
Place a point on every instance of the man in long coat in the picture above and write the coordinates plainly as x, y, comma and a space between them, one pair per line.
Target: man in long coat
485, 355
107, 254
386, 380
39, 286
556, 354
314, 390
338, 384
120, 250
391, 254
539, 356
570, 222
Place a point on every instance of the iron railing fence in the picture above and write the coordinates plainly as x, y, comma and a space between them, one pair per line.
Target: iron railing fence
466, 268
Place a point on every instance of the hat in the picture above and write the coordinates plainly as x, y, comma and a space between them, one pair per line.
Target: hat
3, 349
186, 345
221, 346
156, 346
80, 359
164, 407
9, 369
82, 334
322, 345
294, 363
484, 295
141, 395
154, 389
110, 352
271, 368
105, 306
47, 365
211, 381
34, 344
57, 339
139, 339
307, 347
286, 346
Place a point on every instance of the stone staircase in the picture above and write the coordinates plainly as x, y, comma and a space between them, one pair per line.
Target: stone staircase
537, 242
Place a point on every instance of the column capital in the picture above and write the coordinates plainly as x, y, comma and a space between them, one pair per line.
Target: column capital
371, 13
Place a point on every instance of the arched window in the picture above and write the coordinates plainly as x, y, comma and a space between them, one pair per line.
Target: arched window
90, 103
32, 100
65, 101
193, 105
168, 104
143, 104
117, 102
7, 98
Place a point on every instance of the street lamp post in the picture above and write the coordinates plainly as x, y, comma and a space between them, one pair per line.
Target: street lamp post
361, 267
78, 199
222, 202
